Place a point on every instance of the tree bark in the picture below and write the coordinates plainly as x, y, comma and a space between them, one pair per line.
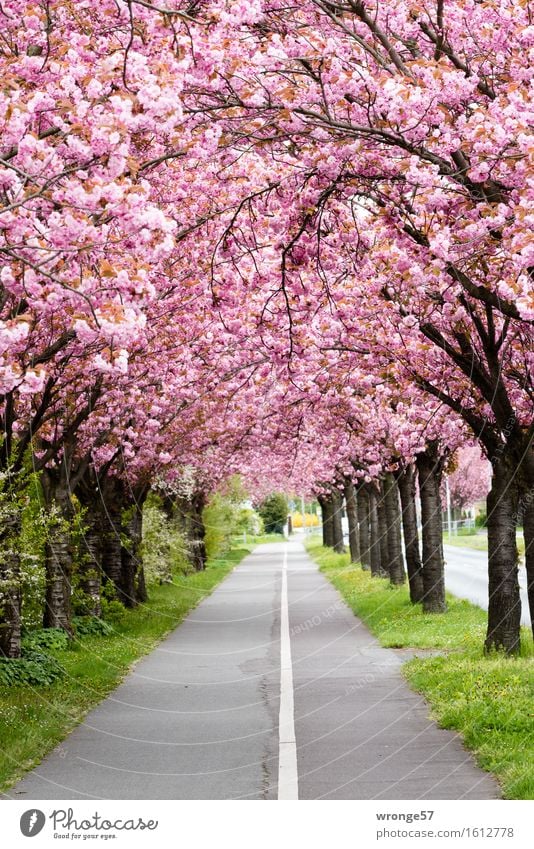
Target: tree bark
383, 531
397, 574
363, 524
327, 517
352, 516
113, 500
528, 534
406, 483
90, 579
58, 549
337, 508
10, 588
429, 468
197, 531
131, 556
504, 609
374, 532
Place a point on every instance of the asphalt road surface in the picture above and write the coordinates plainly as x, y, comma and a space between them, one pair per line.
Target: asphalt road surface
466, 576
270, 689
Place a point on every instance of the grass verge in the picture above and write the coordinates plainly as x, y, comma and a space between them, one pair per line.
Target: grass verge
35, 719
489, 700
478, 541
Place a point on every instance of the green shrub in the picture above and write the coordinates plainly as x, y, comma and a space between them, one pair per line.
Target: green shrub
47, 639
481, 520
163, 548
112, 610
92, 626
35, 668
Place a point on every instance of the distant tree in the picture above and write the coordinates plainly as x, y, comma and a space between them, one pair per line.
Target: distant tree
471, 479
273, 511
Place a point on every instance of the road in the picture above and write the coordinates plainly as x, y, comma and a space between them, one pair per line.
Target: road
466, 576
270, 689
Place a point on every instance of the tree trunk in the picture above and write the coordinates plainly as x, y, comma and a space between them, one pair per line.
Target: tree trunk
374, 532
363, 524
327, 520
197, 531
91, 567
113, 498
130, 539
504, 610
429, 468
90, 579
352, 516
337, 508
383, 531
528, 533
406, 483
10, 588
58, 549
397, 574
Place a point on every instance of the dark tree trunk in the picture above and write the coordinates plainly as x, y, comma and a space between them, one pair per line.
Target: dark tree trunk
397, 574
58, 549
528, 533
374, 532
429, 468
197, 531
337, 509
113, 498
352, 516
141, 593
504, 610
91, 566
406, 482
363, 524
168, 505
10, 589
383, 531
132, 580
90, 577
327, 520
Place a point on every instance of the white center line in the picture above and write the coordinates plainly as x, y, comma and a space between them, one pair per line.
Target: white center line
287, 754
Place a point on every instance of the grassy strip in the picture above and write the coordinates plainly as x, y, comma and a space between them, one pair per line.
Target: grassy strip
489, 700
34, 720
478, 541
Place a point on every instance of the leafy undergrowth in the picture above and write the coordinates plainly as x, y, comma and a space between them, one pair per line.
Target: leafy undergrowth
488, 699
35, 719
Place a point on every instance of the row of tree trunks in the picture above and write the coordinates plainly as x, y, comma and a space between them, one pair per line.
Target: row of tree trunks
331, 513
380, 514
110, 546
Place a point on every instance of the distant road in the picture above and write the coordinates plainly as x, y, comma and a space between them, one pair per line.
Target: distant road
466, 576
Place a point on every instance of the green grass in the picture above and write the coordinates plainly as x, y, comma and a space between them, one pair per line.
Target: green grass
488, 699
478, 540
34, 720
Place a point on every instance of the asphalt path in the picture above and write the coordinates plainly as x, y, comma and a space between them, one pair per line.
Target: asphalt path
466, 576
269, 689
